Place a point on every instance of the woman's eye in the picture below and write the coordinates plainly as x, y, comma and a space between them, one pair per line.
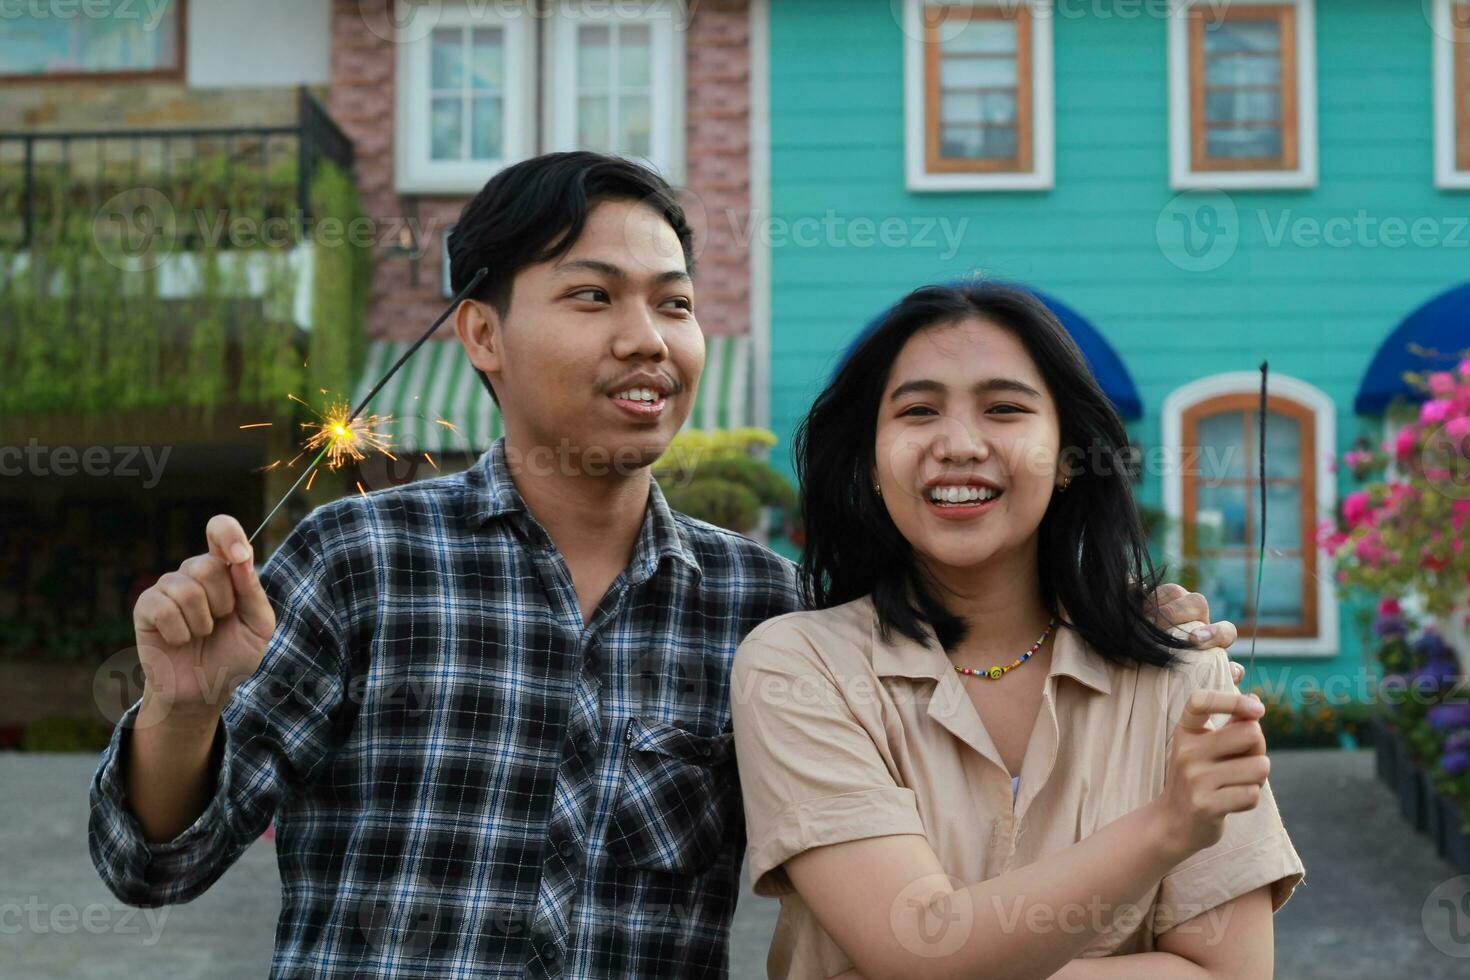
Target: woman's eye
916, 408
592, 295
1008, 409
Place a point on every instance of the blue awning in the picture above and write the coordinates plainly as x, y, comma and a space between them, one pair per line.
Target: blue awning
1432, 338
1107, 367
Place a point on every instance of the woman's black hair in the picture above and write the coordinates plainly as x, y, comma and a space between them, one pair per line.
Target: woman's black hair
1093, 555
534, 211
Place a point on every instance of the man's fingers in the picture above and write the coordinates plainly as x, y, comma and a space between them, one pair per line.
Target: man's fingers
1202, 704
227, 540
1237, 672
158, 613
252, 604
214, 575
191, 600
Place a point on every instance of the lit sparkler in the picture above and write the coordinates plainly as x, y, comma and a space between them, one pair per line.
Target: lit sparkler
341, 435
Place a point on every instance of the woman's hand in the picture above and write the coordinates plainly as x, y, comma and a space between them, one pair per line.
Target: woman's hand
1211, 772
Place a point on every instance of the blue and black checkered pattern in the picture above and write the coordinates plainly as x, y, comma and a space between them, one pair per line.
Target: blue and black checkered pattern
466, 779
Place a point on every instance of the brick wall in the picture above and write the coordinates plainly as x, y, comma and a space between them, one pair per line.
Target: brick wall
361, 99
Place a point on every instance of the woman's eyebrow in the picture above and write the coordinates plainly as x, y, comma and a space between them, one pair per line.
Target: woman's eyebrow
986, 387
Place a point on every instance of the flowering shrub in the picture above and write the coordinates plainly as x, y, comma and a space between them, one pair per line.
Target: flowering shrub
1406, 533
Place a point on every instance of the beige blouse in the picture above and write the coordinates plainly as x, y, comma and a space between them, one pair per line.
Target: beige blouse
841, 737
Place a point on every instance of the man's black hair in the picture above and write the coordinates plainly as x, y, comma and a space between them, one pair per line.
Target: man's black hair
534, 211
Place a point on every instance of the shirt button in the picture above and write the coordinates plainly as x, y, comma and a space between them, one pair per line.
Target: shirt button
548, 951
566, 849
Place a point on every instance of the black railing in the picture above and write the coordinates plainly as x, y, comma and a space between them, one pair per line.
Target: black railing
264, 171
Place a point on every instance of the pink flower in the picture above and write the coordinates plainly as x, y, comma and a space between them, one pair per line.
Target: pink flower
1403, 443
1458, 428
1390, 607
1356, 508
1434, 412
1465, 367
1442, 383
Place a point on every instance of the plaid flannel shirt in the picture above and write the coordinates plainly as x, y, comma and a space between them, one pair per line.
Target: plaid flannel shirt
466, 780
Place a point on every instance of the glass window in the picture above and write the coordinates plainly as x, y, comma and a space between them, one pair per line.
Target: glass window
615, 88
467, 93
1243, 88
1222, 511
111, 37
977, 87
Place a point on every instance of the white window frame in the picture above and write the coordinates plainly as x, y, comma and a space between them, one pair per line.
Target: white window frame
666, 20
414, 170
1182, 175
1042, 175
1448, 174
1324, 412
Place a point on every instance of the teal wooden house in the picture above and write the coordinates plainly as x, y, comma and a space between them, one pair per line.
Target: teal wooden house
1193, 188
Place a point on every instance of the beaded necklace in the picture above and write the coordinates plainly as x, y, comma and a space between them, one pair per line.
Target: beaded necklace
996, 673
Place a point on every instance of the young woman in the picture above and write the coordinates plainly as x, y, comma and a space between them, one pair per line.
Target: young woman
975, 755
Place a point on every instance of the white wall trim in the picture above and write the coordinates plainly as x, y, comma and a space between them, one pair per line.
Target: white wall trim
1447, 175
1043, 107
413, 171
1324, 413
669, 31
760, 205
1182, 175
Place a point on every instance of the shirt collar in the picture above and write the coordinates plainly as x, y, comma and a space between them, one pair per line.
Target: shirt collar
903, 657
490, 493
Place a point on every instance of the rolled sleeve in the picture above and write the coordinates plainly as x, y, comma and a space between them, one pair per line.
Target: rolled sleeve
811, 772
273, 734
1255, 849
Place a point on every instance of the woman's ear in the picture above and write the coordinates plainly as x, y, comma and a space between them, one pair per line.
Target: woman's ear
478, 328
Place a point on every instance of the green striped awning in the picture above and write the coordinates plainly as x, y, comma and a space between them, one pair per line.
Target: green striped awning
439, 383
723, 399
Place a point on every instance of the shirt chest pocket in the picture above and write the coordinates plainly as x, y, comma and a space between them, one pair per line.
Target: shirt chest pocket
677, 800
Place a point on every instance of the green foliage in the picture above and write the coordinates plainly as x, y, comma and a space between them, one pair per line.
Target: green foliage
60, 733
717, 476
86, 320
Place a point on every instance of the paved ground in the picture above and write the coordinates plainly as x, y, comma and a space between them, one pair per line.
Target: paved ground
1357, 916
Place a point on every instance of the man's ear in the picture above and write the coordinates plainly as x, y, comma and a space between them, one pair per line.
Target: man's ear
478, 327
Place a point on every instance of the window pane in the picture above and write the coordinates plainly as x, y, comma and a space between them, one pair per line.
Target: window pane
1283, 444
1244, 143
988, 36
109, 35
976, 142
447, 61
1243, 35
1220, 516
635, 122
446, 128
1281, 592
592, 122
975, 107
1242, 105
1243, 69
487, 59
635, 56
1283, 517
1223, 580
1221, 451
487, 129
977, 73
593, 59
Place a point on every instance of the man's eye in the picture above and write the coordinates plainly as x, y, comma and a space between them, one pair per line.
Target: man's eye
592, 295
682, 301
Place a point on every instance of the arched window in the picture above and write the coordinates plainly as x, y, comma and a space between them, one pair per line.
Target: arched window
1212, 495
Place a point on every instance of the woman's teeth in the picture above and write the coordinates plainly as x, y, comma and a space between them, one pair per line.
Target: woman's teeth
638, 395
960, 495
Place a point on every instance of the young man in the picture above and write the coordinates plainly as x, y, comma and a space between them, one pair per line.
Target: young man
488, 712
